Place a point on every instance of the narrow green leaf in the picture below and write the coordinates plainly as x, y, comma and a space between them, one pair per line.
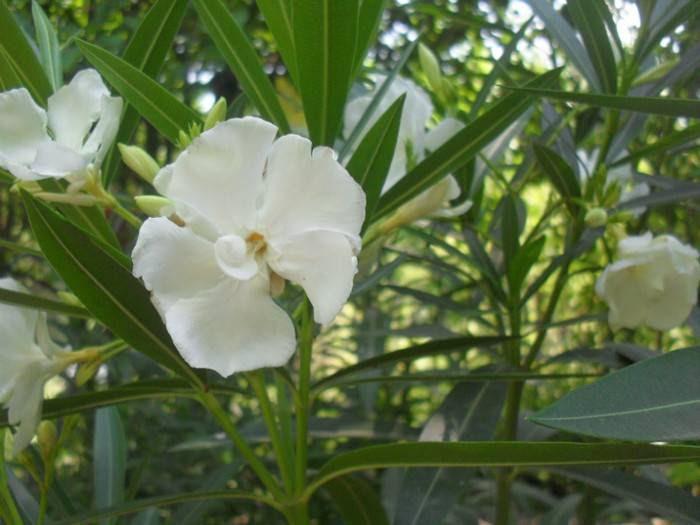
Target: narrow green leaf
561, 175
8, 76
48, 46
278, 17
669, 501
461, 148
485, 265
470, 412
109, 459
682, 192
146, 51
194, 511
102, 283
370, 15
358, 503
501, 454
148, 517
653, 400
563, 512
242, 58
35, 302
18, 52
671, 107
370, 163
510, 231
27, 505
588, 17
524, 260
325, 37
167, 114
444, 346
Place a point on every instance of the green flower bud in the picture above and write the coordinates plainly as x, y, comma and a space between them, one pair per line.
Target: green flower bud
216, 115
141, 162
152, 205
183, 139
596, 217
431, 67
47, 436
87, 371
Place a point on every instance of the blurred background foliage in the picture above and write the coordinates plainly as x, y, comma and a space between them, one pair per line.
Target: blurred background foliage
431, 286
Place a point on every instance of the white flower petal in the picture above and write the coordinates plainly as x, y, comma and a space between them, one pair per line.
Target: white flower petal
306, 192
233, 327
174, 262
323, 264
444, 131
106, 129
75, 107
25, 404
55, 160
219, 176
22, 130
627, 301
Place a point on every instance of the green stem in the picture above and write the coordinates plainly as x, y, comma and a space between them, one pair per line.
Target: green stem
210, 402
257, 381
284, 411
505, 476
303, 403
10, 512
126, 215
43, 503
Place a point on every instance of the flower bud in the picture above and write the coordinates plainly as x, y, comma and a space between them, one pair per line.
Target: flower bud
183, 139
141, 162
431, 67
216, 115
152, 205
596, 217
47, 436
87, 371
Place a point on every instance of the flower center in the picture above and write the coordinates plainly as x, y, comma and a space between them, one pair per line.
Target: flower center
237, 256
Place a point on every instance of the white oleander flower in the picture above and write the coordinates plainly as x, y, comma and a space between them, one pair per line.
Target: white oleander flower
249, 212
412, 143
654, 282
28, 358
74, 132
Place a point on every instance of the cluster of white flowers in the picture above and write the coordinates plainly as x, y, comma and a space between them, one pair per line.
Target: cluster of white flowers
28, 357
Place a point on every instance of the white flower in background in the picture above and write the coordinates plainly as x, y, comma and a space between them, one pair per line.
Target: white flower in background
412, 143
252, 212
75, 131
653, 282
28, 358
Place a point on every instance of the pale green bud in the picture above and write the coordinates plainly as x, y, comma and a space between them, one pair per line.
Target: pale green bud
47, 436
431, 67
87, 371
141, 162
152, 205
217, 114
183, 139
596, 217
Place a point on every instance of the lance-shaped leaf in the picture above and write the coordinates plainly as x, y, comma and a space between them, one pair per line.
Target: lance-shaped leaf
242, 58
358, 503
325, 36
656, 399
19, 54
155, 103
8, 76
461, 148
48, 46
278, 17
370, 15
110, 459
588, 15
96, 274
560, 175
146, 51
26, 300
370, 163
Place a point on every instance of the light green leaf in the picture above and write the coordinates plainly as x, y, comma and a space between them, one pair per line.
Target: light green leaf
653, 400
19, 54
97, 276
588, 16
146, 51
48, 46
461, 148
370, 163
242, 58
358, 503
500, 454
109, 459
155, 103
671, 107
325, 38
35, 302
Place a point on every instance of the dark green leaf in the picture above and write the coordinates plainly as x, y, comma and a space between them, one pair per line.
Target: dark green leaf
510, 231
110, 459
242, 58
325, 37
19, 54
41, 303
8, 77
370, 16
462, 147
370, 163
155, 103
485, 265
589, 18
501, 454
48, 46
522, 263
653, 400
358, 503
193, 511
561, 175
146, 51
102, 283
278, 17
